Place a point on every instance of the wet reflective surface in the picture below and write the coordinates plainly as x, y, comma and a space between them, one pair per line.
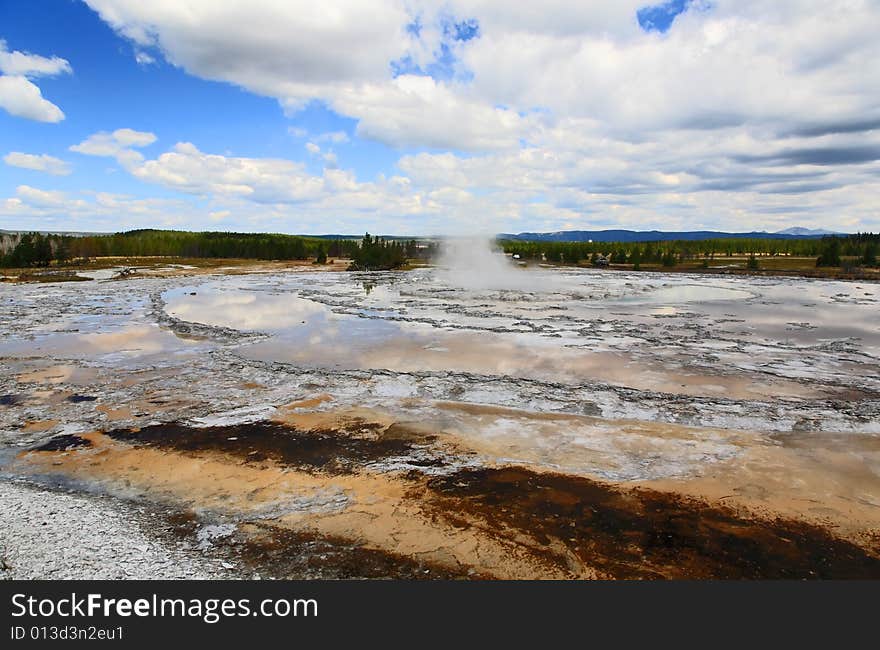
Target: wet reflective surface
722, 337
729, 389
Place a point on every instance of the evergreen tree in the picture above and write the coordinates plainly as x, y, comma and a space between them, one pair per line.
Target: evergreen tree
62, 251
830, 255
24, 253
869, 257
377, 254
42, 250
636, 259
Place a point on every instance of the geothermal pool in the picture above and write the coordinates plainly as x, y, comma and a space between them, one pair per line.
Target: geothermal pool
756, 393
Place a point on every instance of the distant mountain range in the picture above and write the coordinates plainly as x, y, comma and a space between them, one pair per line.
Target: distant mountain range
70, 233
660, 235
797, 231
567, 235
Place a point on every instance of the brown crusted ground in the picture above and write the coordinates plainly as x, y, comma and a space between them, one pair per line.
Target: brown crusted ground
325, 450
64, 442
31, 426
371, 511
644, 533
283, 553
503, 522
276, 552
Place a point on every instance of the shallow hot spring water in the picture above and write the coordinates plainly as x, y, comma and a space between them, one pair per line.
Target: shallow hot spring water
626, 376
676, 335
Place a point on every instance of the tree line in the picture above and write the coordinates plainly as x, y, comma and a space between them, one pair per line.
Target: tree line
378, 254
861, 249
35, 249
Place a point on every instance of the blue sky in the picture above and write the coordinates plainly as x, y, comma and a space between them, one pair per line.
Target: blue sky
423, 117
109, 89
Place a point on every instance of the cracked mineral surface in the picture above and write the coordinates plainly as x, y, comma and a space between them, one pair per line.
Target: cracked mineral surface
592, 424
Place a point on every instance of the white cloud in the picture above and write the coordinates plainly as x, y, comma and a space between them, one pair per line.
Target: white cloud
258, 192
336, 137
722, 61
232, 42
41, 163
736, 63
19, 96
132, 138
549, 183
413, 110
261, 194
40, 198
743, 113
263, 180
119, 144
22, 64
143, 58
95, 211
276, 48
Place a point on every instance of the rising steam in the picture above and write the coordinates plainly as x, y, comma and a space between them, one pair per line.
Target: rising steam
475, 263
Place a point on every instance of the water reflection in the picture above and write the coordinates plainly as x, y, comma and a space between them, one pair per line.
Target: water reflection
242, 310
137, 340
741, 338
688, 293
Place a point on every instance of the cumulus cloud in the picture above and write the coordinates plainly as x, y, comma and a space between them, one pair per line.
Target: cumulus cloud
22, 98
132, 138
41, 163
329, 157
23, 64
278, 48
95, 211
559, 113
736, 63
256, 194
263, 180
723, 63
19, 96
40, 198
416, 110
119, 144
253, 192
253, 49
